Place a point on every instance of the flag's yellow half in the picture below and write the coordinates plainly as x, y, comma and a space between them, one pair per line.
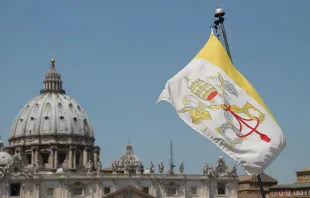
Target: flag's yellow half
215, 53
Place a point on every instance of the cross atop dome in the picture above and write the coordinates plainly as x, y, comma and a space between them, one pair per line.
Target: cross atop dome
52, 64
52, 81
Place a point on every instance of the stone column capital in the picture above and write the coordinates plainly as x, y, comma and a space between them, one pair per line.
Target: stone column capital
34, 148
72, 147
53, 147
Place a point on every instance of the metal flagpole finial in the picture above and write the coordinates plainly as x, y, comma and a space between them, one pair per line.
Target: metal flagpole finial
219, 12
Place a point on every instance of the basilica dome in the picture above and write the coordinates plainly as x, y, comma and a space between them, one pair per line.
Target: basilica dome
52, 130
51, 113
128, 157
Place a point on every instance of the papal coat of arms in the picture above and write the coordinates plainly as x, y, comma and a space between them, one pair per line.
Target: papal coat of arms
215, 94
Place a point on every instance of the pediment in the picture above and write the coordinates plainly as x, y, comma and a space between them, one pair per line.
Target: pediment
172, 184
128, 191
78, 183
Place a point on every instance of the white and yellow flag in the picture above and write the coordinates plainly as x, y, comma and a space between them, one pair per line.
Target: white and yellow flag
212, 97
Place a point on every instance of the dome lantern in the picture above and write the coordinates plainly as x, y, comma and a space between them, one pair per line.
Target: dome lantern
129, 148
52, 81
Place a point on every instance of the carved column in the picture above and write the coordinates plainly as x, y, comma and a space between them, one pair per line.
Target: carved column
85, 156
70, 158
95, 156
74, 158
56, 159
37, 155
20, 151
34, 154
70, 163
51, 157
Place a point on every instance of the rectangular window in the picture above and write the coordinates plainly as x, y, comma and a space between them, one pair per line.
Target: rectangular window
77, 191
50, 192
145, 190
194, 191
44, 157
106, 190
15, 189
61, 157
77, 159
28, 156
172, 191
221, 189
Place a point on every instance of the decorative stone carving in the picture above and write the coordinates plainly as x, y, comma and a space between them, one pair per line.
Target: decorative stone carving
211, 172
128, 193
161, 167
141, 168
114, 166
138, 168
221, 169
181, 168
233, 172
36, 166
15, 167
127, 165
89, 166
205, 169
64, 166
98, 166
151, 167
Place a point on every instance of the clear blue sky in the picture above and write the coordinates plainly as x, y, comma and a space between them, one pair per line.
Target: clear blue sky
116, 56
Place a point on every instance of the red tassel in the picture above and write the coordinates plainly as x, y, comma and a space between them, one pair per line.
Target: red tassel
265, 138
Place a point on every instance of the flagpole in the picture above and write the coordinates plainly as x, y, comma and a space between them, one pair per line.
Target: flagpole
261, 186
219, 24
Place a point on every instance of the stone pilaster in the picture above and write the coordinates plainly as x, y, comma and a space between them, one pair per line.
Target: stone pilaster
96, 151
70, 161
35, 154
55, 158
85, 155
74, 159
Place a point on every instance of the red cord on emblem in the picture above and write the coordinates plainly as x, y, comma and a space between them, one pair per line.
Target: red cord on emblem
241, 121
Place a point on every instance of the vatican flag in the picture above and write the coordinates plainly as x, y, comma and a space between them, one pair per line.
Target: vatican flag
217, 101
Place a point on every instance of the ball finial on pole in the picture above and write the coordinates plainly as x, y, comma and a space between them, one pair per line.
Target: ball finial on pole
219, 12
219, 24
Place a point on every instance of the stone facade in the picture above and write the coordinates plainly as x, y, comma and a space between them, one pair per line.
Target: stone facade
29, 183
51, 153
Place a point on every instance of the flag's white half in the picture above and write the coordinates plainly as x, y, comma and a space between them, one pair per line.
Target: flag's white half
213, 98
